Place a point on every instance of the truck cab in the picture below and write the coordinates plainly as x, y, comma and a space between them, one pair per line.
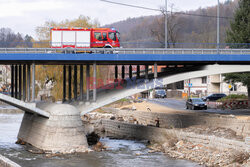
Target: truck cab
105, 38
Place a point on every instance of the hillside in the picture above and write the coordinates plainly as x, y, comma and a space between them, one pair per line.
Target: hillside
184, 30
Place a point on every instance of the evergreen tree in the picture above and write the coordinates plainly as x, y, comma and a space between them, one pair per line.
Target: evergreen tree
240, 35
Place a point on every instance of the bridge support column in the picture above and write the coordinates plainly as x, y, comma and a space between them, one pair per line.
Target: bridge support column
146, 71
88, 82
33, 82
75, 82
24, 82
116, 73
16, 77
69, 82
155, 70
130, 72
62, 132
138, 72
20, 82
28, 83
12, 80
81, 82
64, 83
123, 72
94, 82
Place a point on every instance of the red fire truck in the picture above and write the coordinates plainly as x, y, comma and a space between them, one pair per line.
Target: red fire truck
84, 38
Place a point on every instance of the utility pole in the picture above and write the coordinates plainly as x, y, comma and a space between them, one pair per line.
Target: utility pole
218, 27
166, 24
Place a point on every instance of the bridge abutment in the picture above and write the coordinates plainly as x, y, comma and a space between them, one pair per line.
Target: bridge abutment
62, 132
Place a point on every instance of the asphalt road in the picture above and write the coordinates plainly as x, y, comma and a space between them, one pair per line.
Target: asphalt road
180, 104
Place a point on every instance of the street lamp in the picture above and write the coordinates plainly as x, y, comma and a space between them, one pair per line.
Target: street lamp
166, 24
218, 27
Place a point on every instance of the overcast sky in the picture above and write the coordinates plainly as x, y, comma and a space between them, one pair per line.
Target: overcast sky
25, 15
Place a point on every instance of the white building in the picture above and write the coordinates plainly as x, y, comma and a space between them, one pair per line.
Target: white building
212, 84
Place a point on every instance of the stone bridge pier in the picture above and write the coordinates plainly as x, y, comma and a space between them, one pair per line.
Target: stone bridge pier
47, 126
62, 132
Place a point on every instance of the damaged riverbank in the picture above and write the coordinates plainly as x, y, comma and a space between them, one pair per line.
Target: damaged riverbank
193, 136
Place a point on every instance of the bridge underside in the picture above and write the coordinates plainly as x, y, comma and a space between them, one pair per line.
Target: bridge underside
192, 65
131, 87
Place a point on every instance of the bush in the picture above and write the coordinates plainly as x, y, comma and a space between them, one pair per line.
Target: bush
233, 97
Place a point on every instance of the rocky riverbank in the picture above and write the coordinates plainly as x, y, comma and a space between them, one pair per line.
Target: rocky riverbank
172, 145
202, 154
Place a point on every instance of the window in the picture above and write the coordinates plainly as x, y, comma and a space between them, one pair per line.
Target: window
104, 35
118, 35
204, 80
98, 36
112, 36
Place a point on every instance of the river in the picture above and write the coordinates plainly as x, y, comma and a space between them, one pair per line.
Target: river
120, 153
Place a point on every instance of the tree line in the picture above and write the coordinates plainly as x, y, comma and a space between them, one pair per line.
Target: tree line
10, 39
195, 29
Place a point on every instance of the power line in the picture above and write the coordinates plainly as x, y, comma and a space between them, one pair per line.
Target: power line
134, 6
158, 10
200, 15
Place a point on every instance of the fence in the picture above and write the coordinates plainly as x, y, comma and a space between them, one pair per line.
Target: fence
125, 50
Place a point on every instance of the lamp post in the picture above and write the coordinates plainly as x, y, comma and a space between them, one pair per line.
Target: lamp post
218, 27
166, 24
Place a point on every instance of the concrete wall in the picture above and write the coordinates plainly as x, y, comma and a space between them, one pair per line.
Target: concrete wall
132, 131
5, 162
238, 124
174, 94
10, 110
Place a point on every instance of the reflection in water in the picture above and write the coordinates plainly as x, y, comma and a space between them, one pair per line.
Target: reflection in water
120, 153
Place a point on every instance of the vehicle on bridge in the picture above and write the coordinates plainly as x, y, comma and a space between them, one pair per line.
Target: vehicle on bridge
196, 103
84, 38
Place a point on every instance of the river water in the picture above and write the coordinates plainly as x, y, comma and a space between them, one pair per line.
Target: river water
120, 153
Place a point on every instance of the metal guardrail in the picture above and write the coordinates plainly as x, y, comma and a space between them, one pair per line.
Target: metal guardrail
125, 50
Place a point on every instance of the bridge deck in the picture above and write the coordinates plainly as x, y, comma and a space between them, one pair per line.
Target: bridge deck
124, 56
56, 58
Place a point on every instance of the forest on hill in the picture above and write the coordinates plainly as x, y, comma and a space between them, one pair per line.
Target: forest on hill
192, 29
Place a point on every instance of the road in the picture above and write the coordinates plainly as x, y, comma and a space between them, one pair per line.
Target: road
180, 104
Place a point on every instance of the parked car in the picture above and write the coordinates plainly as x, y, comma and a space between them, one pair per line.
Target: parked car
160, 93
196, 103
214, 97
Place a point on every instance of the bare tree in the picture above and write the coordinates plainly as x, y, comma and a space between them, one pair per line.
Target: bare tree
174, 26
